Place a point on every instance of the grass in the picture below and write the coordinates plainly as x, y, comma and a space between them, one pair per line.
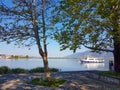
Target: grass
6, 70
52, 83
111, 74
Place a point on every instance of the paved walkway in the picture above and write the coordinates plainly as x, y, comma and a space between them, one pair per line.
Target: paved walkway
75, 81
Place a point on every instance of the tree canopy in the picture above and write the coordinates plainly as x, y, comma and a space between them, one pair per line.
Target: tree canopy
88, 23
28, 22
94, 24
17, 21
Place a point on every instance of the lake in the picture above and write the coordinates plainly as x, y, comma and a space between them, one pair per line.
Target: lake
62, 64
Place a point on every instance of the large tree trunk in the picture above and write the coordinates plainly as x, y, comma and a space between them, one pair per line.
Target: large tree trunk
117, 56
46, 67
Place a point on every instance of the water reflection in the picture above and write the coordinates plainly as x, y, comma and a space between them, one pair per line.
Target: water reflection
96, 66
93, 66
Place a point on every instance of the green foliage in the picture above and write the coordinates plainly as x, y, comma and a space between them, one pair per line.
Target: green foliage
17, 57
38, 69
19, 70
41, 69
54, 69
44, 82
111, 73
17, 21
26, 56
4, 70
89, 23
71, 20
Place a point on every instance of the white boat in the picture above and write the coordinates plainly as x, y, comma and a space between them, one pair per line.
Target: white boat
91, 60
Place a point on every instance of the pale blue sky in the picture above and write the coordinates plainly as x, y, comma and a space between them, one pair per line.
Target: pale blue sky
53, 50
53, 47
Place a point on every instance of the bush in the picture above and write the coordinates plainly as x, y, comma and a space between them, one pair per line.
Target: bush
41, 69
4, 70
44, 82
19, 70
54, 70
37, 70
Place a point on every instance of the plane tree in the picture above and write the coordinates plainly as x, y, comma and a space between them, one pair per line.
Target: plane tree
94, 24
26, 23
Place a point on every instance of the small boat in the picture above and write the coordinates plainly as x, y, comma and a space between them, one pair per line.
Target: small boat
91, 60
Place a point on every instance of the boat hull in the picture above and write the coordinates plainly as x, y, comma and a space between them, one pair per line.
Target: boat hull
94, 61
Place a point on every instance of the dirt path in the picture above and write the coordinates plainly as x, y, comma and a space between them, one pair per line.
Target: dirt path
75, 81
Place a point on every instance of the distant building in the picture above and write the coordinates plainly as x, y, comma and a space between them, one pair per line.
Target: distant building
2, 56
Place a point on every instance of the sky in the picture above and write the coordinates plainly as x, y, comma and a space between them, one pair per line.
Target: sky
53, 47
53, 50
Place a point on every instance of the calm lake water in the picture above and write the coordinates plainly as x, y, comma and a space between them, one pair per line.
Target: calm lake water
62, 64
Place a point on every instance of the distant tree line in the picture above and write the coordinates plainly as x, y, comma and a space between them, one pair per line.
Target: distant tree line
17, 56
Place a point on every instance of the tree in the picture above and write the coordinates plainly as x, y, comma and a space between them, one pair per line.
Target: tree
70, 19
93, 24
28, 22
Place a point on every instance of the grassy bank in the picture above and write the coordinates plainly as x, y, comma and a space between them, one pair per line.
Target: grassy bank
6, 70
111, 74
42, 81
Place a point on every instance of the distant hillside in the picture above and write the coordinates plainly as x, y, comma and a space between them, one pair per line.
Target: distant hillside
89, 53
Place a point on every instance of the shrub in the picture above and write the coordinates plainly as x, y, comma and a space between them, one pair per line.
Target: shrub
19, 70
54, 70
44, 82
41, 69
37, 70
4, 70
